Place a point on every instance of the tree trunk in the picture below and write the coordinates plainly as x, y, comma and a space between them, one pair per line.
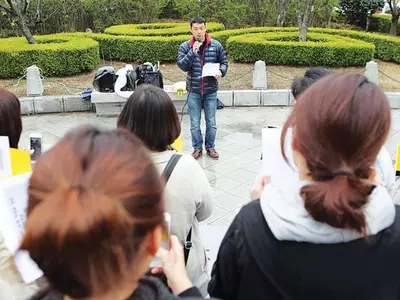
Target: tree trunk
281, 19
393, 26
368, 23
18, 11
25, 30
281, 7
303, 19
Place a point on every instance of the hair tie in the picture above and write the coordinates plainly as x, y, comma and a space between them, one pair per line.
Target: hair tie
342, 172
77, 187
330, 176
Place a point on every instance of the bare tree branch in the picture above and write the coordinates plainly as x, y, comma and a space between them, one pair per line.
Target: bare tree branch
26, 6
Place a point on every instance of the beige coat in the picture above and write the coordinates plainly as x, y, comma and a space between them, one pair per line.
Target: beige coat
11, 285
190, 200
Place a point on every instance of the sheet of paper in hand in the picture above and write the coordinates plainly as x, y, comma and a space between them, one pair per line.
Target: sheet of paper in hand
13, 209
5, 158
273, 162
210, 69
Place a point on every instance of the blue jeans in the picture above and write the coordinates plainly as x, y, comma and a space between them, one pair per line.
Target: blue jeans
195, 102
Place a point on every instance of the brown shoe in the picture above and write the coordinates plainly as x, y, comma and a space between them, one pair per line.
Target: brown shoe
197, 153
212, 153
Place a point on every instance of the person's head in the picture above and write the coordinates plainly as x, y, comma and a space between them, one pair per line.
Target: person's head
198, 28
151, 115
10, 117
335, 143
95, 213
300, 84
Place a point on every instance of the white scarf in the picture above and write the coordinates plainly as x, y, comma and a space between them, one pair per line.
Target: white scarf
284, 211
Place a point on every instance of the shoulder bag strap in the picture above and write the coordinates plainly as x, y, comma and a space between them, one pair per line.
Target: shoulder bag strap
169, 168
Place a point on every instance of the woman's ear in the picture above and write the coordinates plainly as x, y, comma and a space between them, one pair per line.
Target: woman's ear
154, 241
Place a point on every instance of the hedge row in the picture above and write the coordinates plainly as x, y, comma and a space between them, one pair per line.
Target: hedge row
381, 23
387, 48
73, 53
55, 55
283, 48
158, 29
136, 48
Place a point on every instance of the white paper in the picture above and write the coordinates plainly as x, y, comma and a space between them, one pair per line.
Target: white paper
210, 69
274, 164
5, 158
212, 237
13, 211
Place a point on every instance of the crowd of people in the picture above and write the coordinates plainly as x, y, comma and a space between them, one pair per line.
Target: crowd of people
95, 218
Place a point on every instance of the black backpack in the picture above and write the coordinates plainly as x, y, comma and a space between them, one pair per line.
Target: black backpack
104, 80
147, 75
131, 78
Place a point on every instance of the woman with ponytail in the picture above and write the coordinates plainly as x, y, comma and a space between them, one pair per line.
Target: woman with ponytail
334, 234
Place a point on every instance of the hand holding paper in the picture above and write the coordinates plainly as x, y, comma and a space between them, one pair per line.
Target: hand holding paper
211, 69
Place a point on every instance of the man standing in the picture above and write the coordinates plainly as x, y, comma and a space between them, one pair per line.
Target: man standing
202, 91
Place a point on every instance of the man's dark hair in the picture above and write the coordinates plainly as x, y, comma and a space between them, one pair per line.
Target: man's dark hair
300, 84
151, 115
197, 20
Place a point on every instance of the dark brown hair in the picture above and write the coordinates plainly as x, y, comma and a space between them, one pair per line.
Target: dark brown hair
10, 117
339, 124
92, 200
151, 115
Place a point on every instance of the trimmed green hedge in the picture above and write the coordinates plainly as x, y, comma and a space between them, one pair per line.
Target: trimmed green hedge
56, 55
381, 23
137, 49
283, 48
158, 29
387, 48
74, 53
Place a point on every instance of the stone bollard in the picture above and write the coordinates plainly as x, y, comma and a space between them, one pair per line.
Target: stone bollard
372, 72
260, 76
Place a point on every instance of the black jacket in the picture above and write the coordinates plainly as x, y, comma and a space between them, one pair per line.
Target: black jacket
150, 288
253, 264
192, 63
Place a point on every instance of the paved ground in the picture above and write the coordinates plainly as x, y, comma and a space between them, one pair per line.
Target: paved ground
238, 142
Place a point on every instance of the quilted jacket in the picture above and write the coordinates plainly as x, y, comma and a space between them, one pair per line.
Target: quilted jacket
193, 63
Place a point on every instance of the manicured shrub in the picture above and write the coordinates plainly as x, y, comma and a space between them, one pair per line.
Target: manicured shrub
283, 48
56, 55
387, 48
158, 29
381, 23
74, 53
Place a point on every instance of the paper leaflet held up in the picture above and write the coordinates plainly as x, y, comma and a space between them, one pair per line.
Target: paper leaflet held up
273, 163
13, 210
210, 69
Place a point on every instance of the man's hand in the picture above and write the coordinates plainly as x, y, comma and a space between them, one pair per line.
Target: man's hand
218, 75
196, 46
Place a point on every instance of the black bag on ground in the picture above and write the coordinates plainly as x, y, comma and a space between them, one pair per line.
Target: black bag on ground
104, 79
131, 77
146, 74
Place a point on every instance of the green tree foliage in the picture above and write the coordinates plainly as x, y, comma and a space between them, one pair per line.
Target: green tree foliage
357, 11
